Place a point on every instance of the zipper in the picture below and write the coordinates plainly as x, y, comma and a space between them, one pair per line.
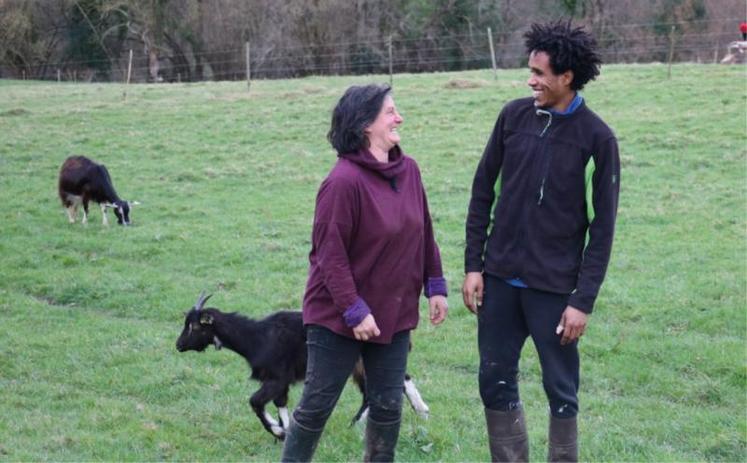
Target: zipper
546, 167
526, 211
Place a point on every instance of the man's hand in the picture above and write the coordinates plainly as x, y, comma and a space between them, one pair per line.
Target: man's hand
366, 329
572, 325
472, 291
438, 307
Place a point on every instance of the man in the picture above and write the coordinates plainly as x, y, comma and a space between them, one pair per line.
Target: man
554, 166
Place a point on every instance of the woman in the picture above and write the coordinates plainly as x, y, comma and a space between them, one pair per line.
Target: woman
373, 252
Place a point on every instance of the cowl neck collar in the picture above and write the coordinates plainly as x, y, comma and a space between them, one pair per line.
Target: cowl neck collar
388, 170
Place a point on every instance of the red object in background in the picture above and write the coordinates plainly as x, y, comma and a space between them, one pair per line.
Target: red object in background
743, 27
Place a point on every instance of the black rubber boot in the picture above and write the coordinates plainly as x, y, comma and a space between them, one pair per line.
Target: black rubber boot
381, 439
563, 440
507, 435
300, 443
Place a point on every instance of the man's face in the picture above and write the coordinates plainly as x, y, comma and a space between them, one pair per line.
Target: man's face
550, 90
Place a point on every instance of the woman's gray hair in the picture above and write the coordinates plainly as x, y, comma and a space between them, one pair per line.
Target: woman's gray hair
356, 110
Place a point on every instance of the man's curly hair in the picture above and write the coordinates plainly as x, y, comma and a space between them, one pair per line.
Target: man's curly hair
568, 48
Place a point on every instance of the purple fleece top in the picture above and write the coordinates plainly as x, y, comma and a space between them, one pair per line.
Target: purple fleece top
373, 248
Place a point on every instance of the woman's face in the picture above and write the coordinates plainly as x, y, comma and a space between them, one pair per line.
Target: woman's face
382, 133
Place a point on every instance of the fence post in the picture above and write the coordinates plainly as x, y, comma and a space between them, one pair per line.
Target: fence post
59, 75
391, 76
248, 67
129, 74
492, 53
23, 72
671, 52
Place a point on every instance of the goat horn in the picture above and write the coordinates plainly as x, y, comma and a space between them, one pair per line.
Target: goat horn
201, 300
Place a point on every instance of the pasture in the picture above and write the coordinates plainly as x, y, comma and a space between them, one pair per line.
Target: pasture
227, 180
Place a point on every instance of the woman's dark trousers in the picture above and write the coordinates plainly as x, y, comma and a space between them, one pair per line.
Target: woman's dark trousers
331, 359
506, 318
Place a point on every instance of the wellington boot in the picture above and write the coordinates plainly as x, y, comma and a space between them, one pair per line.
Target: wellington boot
381, 439
563, 440
300, 443
507, 435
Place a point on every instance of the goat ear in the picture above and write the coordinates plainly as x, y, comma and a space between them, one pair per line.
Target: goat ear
206, 319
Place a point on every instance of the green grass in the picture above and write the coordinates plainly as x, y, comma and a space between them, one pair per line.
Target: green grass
227, 181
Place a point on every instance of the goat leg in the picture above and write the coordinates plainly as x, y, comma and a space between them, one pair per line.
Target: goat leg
415, 399
267, 392
281, 403
359, 378
85, 210
104, 219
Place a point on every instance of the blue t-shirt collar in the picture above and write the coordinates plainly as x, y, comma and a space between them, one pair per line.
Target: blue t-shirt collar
577, 100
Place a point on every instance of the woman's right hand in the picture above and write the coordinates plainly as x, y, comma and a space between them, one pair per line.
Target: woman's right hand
366, 329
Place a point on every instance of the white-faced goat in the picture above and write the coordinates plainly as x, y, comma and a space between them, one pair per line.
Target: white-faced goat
275, 348
82, 180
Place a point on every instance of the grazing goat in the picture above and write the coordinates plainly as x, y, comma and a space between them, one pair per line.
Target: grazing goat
275, 348
81, 181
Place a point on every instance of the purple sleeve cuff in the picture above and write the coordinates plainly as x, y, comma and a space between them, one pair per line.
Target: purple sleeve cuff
436, 287
355, 314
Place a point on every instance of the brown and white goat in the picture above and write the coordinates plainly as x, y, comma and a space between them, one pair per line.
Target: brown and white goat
275, 349
81, 181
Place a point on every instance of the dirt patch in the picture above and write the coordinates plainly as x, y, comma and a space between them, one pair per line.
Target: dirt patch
309, 90
14, 112
464, 83
292, 95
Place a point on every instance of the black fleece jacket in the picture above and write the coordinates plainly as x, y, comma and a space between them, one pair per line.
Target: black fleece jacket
539, 164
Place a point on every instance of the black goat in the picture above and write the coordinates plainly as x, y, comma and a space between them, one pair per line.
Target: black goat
275, 348
81, 181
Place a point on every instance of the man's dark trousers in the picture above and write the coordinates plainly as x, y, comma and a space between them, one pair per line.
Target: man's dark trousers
509, 315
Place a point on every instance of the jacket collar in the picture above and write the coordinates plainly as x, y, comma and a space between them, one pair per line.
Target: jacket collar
366, 160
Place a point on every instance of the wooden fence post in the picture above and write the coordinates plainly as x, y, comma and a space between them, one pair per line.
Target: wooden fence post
248, 67
671, 52
391, 74
492, 53
129, 74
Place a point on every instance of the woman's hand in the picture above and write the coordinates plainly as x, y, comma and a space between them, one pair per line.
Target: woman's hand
438, 307
366, 329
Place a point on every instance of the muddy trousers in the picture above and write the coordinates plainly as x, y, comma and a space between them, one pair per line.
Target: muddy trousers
507, 317
331, 359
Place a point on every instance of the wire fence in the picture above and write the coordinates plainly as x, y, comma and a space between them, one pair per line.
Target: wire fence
621, 43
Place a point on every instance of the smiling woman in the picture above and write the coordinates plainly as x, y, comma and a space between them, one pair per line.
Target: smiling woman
382, 133
373, 252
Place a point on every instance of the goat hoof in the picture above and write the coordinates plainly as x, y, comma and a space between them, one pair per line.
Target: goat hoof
278, 432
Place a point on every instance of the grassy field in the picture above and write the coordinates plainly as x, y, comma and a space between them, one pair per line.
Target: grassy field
227, 180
